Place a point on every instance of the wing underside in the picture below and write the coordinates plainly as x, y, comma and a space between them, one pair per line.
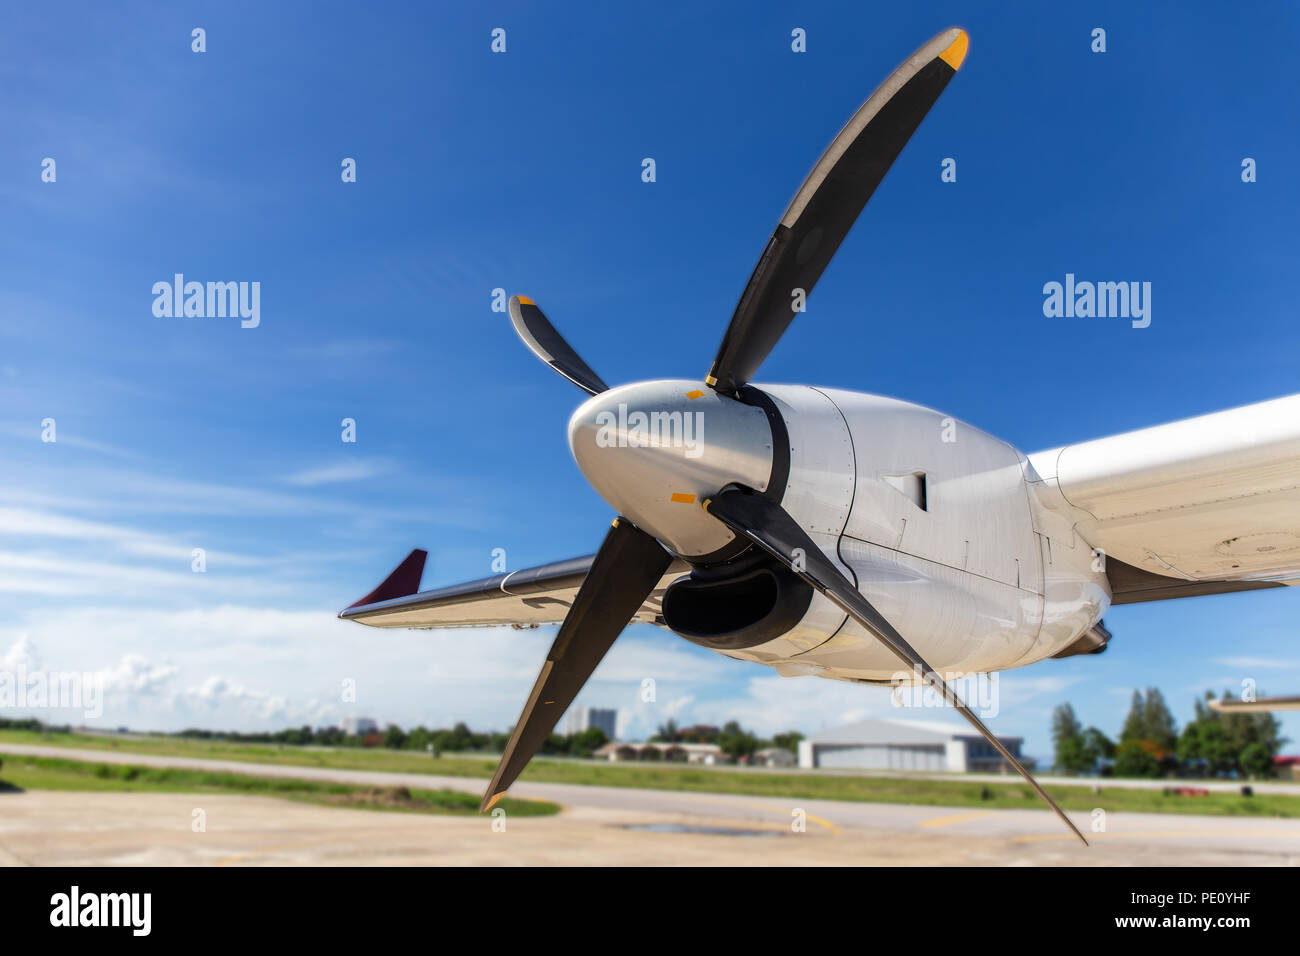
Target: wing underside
524, 598
1202, 506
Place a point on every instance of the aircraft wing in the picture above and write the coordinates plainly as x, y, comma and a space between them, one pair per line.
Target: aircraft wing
1260, 705
1201, 506
524, 598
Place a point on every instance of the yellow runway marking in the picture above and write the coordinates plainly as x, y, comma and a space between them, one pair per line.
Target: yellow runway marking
228, 861
955, 818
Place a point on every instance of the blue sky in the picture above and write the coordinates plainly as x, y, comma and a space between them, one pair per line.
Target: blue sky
522, 170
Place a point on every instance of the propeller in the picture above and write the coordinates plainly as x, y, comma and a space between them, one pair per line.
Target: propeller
630, 562
827, 205
808, 235
549, 345
628, 566
768, 525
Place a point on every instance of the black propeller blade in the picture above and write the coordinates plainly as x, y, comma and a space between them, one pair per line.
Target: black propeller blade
626, 569
827, 205
768, 525
549, 345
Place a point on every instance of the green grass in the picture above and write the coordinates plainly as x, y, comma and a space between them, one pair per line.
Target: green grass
803, 785
56, 773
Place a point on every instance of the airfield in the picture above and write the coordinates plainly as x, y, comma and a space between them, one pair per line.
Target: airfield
598, 825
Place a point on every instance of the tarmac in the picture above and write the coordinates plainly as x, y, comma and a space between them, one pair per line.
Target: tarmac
598, 826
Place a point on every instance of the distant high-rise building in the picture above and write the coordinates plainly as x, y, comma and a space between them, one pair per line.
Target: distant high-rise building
358, 726
584, 718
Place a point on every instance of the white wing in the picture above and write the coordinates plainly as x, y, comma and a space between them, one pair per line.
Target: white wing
1198, 506
524, 598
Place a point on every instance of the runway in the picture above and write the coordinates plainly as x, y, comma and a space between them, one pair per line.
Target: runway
599, 825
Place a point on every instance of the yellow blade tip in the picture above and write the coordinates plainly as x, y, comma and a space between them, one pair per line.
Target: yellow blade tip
492, 801
955, 55
524, 300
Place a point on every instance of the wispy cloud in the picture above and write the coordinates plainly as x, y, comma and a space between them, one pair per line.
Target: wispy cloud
34, 524
1258, 663
33, 432
354, 470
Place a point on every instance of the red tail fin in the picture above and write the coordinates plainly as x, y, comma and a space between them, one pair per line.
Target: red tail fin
404, 580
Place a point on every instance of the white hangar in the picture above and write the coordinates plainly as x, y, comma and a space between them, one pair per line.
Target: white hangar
888, 744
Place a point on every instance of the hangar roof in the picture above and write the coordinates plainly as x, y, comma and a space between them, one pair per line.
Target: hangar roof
893, 731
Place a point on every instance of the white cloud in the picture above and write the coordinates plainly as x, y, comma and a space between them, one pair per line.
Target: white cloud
353, 470
1257, 663
26, 431
28, 524
1019, 687
21, 654
772, 704
135, 675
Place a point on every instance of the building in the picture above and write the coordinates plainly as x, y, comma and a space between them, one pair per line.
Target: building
358, 726
698, 733
772, 757
585, 718
671, 752
1287, 767
890, 744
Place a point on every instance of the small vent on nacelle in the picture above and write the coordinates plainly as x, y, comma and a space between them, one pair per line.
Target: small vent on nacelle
911, 486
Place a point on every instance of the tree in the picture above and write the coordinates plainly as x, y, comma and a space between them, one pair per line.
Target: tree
1257, 760
1203, 747
1099, 744
583, 744
1067, 737
1135, 723
1136, 758
1158, 722
1150, 723
667, 732
1242, 730
737, 742
458, 738
1072, 755
1220, 744
788, 741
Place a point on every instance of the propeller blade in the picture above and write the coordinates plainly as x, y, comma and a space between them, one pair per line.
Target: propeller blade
769, 526
828, 203
549, 345
626, 569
